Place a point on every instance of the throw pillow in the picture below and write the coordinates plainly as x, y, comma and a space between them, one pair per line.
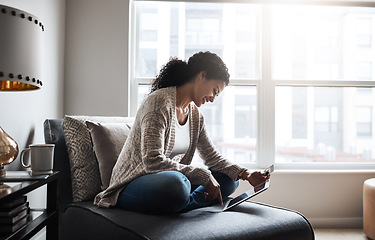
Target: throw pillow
86, 183
108, 140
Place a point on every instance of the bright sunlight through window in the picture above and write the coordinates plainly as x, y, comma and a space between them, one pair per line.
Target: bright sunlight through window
315, 63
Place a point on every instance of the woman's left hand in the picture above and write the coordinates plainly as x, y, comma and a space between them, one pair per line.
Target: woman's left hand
255, 178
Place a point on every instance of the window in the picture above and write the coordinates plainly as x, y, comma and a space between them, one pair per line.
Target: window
364, 70
364, 32
302, 85
180, 29
364, 122
299, 113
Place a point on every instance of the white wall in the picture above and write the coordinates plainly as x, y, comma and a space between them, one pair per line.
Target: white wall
96, 84
96, 57
327, 199
22, 113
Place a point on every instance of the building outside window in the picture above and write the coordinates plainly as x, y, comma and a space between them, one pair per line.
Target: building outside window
302, 88
364, 121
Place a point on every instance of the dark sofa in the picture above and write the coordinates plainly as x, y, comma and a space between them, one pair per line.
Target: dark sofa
83, 220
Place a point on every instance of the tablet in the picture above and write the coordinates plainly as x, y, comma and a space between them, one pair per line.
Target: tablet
246, 195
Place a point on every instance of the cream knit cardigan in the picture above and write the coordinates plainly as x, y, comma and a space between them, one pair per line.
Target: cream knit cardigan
151, 141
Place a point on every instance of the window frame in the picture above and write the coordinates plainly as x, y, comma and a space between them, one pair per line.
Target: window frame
266, 149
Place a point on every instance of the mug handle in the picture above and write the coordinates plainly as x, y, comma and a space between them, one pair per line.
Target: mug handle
21, 158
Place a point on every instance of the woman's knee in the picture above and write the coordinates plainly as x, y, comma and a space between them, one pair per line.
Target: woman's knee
175, 183
175, 190
163, 192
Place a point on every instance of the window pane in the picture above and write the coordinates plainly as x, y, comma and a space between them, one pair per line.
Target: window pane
364, 121
299, 120
338, 125
143, 91
323, 43
231, 122
172, 29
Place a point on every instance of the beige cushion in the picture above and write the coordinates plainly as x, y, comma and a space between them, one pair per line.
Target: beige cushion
86, 182
108, 140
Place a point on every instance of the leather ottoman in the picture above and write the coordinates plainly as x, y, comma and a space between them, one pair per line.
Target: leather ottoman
369, 208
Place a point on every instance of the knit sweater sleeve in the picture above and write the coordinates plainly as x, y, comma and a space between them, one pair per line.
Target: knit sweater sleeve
211, 156
155, 139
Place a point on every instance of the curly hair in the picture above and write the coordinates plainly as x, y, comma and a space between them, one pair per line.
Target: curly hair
178, 72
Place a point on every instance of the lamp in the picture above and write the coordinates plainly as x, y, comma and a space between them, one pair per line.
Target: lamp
20, 64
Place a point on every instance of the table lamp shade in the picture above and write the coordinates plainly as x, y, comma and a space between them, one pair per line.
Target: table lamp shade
20, 64
20, 50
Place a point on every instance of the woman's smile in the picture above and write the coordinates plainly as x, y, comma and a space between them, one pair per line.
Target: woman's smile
207, 90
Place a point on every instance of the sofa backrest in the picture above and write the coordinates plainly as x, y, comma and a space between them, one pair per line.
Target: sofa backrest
79, 171
53, 133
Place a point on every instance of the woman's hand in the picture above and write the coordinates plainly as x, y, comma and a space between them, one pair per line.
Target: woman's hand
213, 190
255, 178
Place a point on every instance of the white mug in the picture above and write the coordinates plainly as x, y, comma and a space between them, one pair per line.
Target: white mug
41, 158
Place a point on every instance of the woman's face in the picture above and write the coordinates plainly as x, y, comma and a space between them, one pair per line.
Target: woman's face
206, 90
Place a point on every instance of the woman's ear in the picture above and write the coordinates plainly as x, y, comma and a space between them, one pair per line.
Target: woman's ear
203, 74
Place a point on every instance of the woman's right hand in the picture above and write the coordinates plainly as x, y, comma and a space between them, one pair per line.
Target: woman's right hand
213, 190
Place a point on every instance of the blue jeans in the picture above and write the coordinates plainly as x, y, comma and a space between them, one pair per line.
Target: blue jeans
170, 192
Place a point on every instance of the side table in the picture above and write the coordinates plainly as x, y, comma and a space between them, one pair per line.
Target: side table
23, 183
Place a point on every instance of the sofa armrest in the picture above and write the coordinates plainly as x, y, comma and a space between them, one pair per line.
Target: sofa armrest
53, 133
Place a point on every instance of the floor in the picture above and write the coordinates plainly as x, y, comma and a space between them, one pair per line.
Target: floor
340, 234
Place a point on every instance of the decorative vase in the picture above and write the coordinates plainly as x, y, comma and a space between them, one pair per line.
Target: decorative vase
8, 150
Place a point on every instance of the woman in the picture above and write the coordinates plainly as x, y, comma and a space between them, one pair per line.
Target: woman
153, 172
